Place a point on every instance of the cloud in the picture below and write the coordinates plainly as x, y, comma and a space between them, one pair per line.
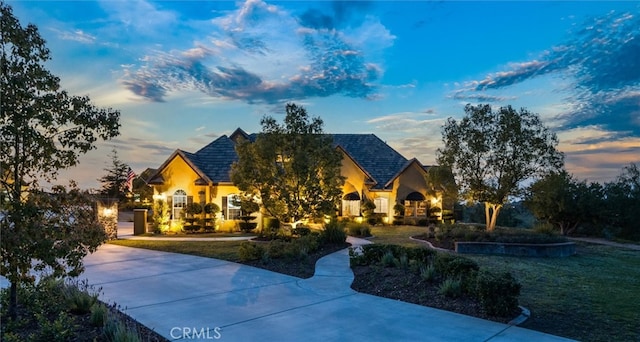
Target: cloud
462, 95
260, 53
77, 36
600, 60
408, 122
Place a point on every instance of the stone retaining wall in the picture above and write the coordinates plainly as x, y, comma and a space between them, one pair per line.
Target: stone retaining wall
563, 249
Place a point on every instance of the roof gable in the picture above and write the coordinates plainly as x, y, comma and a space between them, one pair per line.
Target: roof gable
373, 155
156, 177
216, 158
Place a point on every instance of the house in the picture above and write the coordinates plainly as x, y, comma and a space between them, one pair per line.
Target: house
372, 169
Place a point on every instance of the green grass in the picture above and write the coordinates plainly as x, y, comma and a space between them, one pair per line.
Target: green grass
592, 296
197, 235
225, 250
397, 235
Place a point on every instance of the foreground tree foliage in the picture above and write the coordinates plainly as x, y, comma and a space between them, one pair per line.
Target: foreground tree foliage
491, 152
43, 130
292, 168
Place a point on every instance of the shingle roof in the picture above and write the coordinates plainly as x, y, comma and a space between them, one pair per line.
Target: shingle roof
380, 160
215, 159
372, 154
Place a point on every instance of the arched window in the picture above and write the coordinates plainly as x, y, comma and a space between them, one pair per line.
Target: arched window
351, 204
179, 202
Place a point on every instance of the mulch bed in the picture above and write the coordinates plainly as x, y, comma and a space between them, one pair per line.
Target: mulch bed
404, 285
304, 268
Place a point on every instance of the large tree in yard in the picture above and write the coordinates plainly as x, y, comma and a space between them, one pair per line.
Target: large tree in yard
491, 152
43, 130
292, 168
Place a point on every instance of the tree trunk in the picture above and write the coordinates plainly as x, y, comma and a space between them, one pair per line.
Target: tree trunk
13, 301
491, 215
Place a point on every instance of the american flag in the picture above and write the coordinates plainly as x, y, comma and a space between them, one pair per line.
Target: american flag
130, 176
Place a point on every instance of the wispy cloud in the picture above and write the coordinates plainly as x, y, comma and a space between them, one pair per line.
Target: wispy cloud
77, 36
408, 122
261, 53
602, 62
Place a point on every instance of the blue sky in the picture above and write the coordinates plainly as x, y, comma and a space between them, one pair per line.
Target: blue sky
184, 73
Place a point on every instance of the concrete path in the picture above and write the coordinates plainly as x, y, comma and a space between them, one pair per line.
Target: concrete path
607, 242
185, 297
125, 231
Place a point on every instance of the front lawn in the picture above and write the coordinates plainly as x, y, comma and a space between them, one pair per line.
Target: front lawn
592, 296
301, 265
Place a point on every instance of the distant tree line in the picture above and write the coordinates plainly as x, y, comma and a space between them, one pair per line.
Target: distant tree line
610, 210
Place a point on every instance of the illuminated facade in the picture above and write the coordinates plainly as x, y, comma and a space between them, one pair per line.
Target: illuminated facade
373, 172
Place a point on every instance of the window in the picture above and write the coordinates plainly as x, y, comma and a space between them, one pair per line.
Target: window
350, 208
232, 211
382, 205
179, 202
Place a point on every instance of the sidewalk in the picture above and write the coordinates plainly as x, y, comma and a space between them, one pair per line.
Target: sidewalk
125, 232
185, 297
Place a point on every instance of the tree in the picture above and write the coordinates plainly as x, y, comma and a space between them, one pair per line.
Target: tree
441, 182
622, 203
564, 202
114, 183
141, 190
292, 168
492, 152
43, 130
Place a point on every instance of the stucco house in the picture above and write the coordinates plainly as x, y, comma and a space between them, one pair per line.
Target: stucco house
372, 169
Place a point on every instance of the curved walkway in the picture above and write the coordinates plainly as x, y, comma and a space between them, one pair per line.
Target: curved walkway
125, 232
186, 297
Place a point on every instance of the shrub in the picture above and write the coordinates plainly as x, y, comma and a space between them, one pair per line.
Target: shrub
450, 287
388, 260
498, 293
333, 233
301, 231
402, 262
427, 273
193, 209
98, 315
421, 254
544, 228
422, 222
309, 243
277, 249
359, 229
455, 266
58, 330
78, 301
397, 222
247, 226
250, 251
117, 331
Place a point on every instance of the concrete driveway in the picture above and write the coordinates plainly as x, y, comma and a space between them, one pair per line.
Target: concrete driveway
187, 298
